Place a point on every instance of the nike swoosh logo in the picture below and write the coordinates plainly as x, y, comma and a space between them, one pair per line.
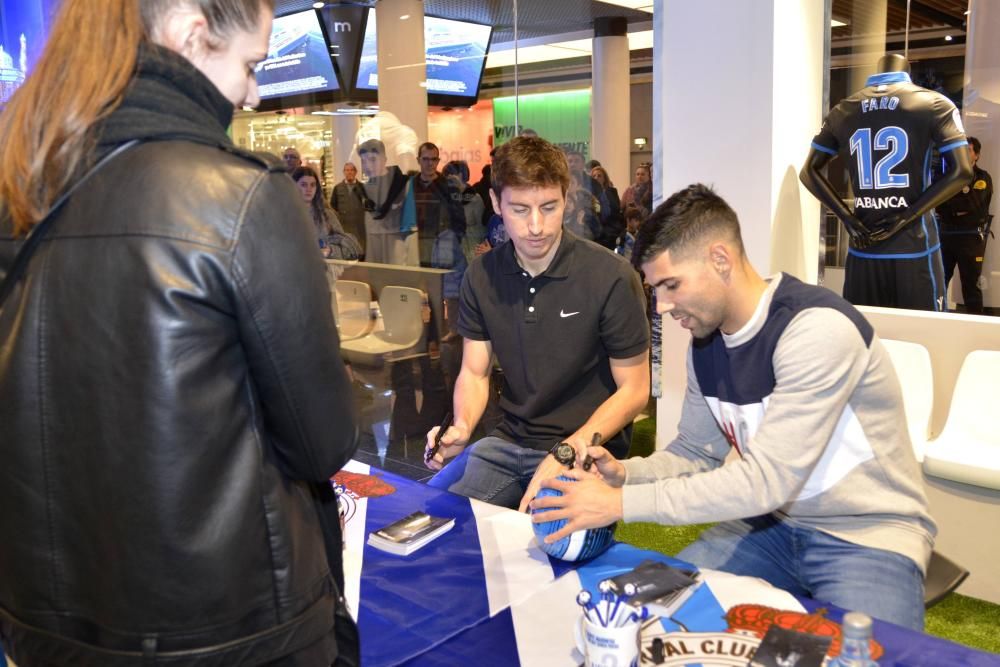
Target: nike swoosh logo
563, 313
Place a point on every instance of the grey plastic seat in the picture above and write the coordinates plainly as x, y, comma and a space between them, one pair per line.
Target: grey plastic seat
943, 577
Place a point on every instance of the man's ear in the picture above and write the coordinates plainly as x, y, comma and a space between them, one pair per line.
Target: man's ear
185, 31
721, 258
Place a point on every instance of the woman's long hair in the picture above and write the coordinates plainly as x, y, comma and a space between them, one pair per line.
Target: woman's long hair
604, 172
47, 136
317, 207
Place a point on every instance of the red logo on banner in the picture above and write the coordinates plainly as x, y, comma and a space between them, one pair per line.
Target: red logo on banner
756, 619
363, 486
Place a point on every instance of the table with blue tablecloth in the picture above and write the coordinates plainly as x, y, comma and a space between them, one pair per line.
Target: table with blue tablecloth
485, 594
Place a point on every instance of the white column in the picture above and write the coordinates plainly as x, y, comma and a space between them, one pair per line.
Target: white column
345, 129
737, 97
610, 103
402, 69
868, 23
981, 114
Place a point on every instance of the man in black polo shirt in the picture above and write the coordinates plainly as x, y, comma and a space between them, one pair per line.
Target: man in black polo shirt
564, 317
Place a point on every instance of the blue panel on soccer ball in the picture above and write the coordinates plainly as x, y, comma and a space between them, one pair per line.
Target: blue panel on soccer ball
581, 545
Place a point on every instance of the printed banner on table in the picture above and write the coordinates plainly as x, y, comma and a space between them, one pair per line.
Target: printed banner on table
485, 594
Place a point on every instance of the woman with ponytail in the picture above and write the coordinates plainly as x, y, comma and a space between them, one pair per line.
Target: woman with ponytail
169, 371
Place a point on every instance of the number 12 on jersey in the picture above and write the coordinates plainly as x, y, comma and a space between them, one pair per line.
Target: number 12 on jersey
892, 139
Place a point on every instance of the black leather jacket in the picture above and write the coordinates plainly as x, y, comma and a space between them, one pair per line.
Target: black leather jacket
170, 390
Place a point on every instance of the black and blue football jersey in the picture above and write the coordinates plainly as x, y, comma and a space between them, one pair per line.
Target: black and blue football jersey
885, 134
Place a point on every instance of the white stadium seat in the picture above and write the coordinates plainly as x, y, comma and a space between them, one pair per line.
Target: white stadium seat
353, 309
404, 332
912, 362
968, 449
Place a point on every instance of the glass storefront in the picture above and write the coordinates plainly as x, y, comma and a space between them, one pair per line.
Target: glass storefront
536, 78
539, 76
937, 39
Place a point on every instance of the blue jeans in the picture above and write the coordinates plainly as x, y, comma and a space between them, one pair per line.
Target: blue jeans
492, 470
810, 563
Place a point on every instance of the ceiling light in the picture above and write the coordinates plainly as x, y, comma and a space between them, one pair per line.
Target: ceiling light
504, 56
404, 17
947, 38
319, 5
837, 23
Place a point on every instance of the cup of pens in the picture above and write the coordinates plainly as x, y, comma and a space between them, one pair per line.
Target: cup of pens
607, 634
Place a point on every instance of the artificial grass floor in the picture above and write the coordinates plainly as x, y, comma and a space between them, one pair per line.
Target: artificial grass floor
958, 618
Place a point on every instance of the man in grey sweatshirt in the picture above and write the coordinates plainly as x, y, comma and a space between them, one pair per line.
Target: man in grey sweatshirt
825, 498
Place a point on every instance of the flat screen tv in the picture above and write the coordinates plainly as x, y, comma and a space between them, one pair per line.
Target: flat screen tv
456, 56
299, 69
24, 26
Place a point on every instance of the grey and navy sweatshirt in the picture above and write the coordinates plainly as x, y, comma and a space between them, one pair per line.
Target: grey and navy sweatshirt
807, 396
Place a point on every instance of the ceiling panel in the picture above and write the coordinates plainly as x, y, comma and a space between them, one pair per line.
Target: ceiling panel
536, 18
924, 15
543, 18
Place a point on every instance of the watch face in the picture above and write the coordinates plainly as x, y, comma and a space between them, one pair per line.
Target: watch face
565, 454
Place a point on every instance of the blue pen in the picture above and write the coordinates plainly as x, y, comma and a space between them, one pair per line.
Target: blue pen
599, 618
614, 611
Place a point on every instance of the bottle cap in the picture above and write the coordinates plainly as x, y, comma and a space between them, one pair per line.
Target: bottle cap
857, 625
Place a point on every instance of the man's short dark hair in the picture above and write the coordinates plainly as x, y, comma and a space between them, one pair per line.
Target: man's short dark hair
632, 212
692, 215
976, 146
428, 146
372, 146
529, 162
459, 168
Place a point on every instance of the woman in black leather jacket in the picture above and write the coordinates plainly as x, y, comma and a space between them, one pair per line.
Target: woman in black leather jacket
171, 397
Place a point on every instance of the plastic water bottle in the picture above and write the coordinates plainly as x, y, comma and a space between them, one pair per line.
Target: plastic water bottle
854, 650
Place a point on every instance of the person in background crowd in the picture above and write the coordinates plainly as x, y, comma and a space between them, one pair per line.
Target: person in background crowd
581, 175
599, 174
482, 188
292, 159
347, 200
455, 252
496, 233
456, 174
436, 210
965, 222
582, 213
522, 302
612, 218
333, 242
165, 479
633, 218
386, 241
591, 164
609, 220
789, 434
640, 193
